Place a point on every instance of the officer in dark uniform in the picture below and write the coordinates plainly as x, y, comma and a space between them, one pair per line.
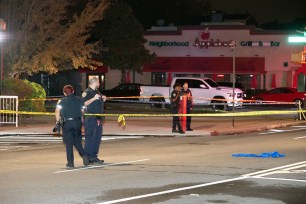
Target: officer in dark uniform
175, 104
94, 102
70, 109
186, 92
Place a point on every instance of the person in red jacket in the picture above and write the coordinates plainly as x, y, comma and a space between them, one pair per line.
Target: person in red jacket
186, 91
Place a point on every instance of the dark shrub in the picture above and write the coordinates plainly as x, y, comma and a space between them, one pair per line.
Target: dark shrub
25, 91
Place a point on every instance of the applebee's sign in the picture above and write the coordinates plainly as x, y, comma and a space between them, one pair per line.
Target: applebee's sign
204, 41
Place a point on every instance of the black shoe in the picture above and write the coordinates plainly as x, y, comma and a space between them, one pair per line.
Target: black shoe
181, 132
175, 131
189, 129
100, 160
85, 160
96, 161
70, 165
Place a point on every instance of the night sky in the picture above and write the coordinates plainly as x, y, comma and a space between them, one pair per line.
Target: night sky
264, 10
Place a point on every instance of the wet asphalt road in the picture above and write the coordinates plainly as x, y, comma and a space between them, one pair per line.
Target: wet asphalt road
161, 170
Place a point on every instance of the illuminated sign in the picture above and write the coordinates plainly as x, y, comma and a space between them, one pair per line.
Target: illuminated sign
297, 39
211, 43
168, 44
204, 41
259, 44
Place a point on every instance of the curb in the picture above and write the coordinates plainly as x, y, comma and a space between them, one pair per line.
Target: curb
257, 129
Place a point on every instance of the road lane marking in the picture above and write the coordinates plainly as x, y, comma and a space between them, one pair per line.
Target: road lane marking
290, 172
274, 169
3, 137
296, 167
273, 131
246, 176
171, 191
100, 166
297, 138
30, 139
276, 130
278, 179
284, 169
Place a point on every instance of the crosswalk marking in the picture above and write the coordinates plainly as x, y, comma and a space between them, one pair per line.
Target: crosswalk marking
258, 173
53, 139
255, 175
297, 138
273, 131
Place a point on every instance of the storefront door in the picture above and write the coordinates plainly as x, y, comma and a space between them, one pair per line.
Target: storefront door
301, 82
101, 78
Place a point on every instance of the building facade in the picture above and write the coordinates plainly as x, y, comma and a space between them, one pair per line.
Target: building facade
262, 59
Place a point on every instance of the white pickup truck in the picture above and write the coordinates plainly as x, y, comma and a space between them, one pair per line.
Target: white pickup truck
205, 91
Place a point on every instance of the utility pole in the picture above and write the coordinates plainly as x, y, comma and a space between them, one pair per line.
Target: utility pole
233, 46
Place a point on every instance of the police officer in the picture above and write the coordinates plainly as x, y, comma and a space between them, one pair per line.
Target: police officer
94, 102
175, 104
70, 109
186, 92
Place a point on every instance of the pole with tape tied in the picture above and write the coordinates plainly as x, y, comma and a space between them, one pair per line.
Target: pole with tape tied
183, 111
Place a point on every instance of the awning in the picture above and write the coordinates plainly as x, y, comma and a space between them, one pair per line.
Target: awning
207, 65
99, 69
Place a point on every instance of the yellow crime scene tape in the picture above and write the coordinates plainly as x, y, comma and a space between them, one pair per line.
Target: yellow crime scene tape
122, 120
167, 97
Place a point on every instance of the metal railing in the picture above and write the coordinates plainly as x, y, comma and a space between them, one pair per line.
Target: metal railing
9, 103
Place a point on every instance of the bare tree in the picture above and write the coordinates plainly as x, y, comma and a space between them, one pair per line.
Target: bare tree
45, 35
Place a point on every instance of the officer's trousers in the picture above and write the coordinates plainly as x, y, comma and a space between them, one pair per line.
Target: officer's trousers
72, 137
93, 135
176, 120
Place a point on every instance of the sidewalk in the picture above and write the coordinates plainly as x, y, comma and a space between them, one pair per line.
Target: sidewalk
157, 126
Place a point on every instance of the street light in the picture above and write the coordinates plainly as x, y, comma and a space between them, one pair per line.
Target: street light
2, 39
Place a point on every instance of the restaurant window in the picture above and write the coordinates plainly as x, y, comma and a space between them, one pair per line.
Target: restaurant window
158, 78
188, 75
101, 78
247, 80
219, 77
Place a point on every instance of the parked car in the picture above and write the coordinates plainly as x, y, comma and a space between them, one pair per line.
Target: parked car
283, 94
124, 90
204, 90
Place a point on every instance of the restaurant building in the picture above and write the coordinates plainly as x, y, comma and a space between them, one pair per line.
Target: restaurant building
262, 59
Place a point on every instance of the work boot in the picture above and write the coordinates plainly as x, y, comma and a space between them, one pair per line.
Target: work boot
189, 129
70, 165
85, 160
96, 161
